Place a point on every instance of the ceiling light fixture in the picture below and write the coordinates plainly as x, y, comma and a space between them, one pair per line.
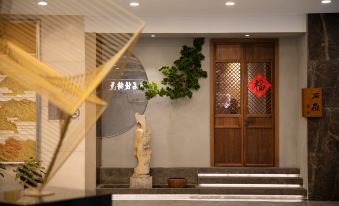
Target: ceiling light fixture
134, 4
42, 3
230, 3
326, 1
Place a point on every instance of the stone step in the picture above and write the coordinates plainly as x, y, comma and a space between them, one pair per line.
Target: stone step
251, 180
199, 190
248, 170
254, 191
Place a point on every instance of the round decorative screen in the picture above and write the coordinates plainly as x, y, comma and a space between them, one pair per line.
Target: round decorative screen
126, 101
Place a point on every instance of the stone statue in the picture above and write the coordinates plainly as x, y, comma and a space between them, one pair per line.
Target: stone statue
142, 152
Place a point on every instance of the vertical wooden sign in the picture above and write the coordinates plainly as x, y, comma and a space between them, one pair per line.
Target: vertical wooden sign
312, 102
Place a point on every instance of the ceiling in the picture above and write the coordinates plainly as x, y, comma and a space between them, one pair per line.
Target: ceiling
187, 16
217, 7
178, 8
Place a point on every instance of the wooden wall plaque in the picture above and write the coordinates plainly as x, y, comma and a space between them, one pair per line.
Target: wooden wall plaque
312, 105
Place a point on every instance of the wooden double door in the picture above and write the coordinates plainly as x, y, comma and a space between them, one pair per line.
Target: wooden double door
243, 103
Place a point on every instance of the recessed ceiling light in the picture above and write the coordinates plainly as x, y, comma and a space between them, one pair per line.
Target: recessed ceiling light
230, 3
153, 35
326, 1
247, 35
134, 4
42, 3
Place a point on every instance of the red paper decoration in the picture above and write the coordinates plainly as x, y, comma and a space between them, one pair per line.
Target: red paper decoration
259, 85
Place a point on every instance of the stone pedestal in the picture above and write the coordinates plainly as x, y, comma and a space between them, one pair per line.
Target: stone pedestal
141, 182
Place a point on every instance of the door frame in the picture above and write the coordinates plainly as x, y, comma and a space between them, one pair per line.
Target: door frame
213, 44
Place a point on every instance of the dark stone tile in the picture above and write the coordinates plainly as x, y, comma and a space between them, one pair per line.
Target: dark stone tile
333, 129
160, 175
323, 133
149, 191
331, 97
332, 22
115, 175
316, 36
323, 178
335, 115
319, 138
323, 74
323, 163
97, 175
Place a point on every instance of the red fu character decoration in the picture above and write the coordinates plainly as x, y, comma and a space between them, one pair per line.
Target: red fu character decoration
259, 85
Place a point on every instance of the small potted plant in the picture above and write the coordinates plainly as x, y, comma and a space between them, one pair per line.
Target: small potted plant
177, 182
30, 174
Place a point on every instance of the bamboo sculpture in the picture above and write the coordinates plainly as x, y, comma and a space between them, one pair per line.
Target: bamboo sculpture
66, 91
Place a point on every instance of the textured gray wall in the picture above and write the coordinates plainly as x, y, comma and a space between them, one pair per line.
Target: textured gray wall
180, 128
292, 126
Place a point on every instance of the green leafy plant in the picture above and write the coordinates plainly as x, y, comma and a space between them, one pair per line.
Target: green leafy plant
2, 167
30, 173
182, 78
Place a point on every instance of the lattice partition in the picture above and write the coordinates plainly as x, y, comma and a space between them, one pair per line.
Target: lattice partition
263, 104
228, 84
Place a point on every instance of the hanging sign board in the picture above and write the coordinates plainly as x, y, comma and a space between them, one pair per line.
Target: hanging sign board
312, 102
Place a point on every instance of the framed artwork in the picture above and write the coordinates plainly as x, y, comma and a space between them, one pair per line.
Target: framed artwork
19, 107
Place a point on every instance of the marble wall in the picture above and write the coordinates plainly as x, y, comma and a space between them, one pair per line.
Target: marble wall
323, 133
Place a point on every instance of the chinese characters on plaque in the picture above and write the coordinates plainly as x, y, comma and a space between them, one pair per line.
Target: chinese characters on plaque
259, 85
312, 102
123, 85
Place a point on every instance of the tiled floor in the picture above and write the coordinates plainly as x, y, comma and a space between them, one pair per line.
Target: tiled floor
217, 203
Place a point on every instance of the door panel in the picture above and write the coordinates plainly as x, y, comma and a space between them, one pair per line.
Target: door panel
259, 51
258, 117
243, 119
227, 52
228, 142
259, 105
228, 76
227, 116
259, 146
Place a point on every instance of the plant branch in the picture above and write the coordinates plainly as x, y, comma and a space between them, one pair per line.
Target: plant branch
181, 79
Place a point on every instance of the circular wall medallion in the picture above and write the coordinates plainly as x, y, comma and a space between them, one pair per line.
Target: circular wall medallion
126, 100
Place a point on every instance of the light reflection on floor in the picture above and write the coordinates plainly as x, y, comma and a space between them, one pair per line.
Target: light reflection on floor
218, 203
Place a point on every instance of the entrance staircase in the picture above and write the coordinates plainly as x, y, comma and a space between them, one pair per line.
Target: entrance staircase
227, 183
247, 181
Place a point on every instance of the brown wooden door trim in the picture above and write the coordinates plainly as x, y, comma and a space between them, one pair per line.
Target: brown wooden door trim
212, 96
244, 103
275, 106
243, 106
